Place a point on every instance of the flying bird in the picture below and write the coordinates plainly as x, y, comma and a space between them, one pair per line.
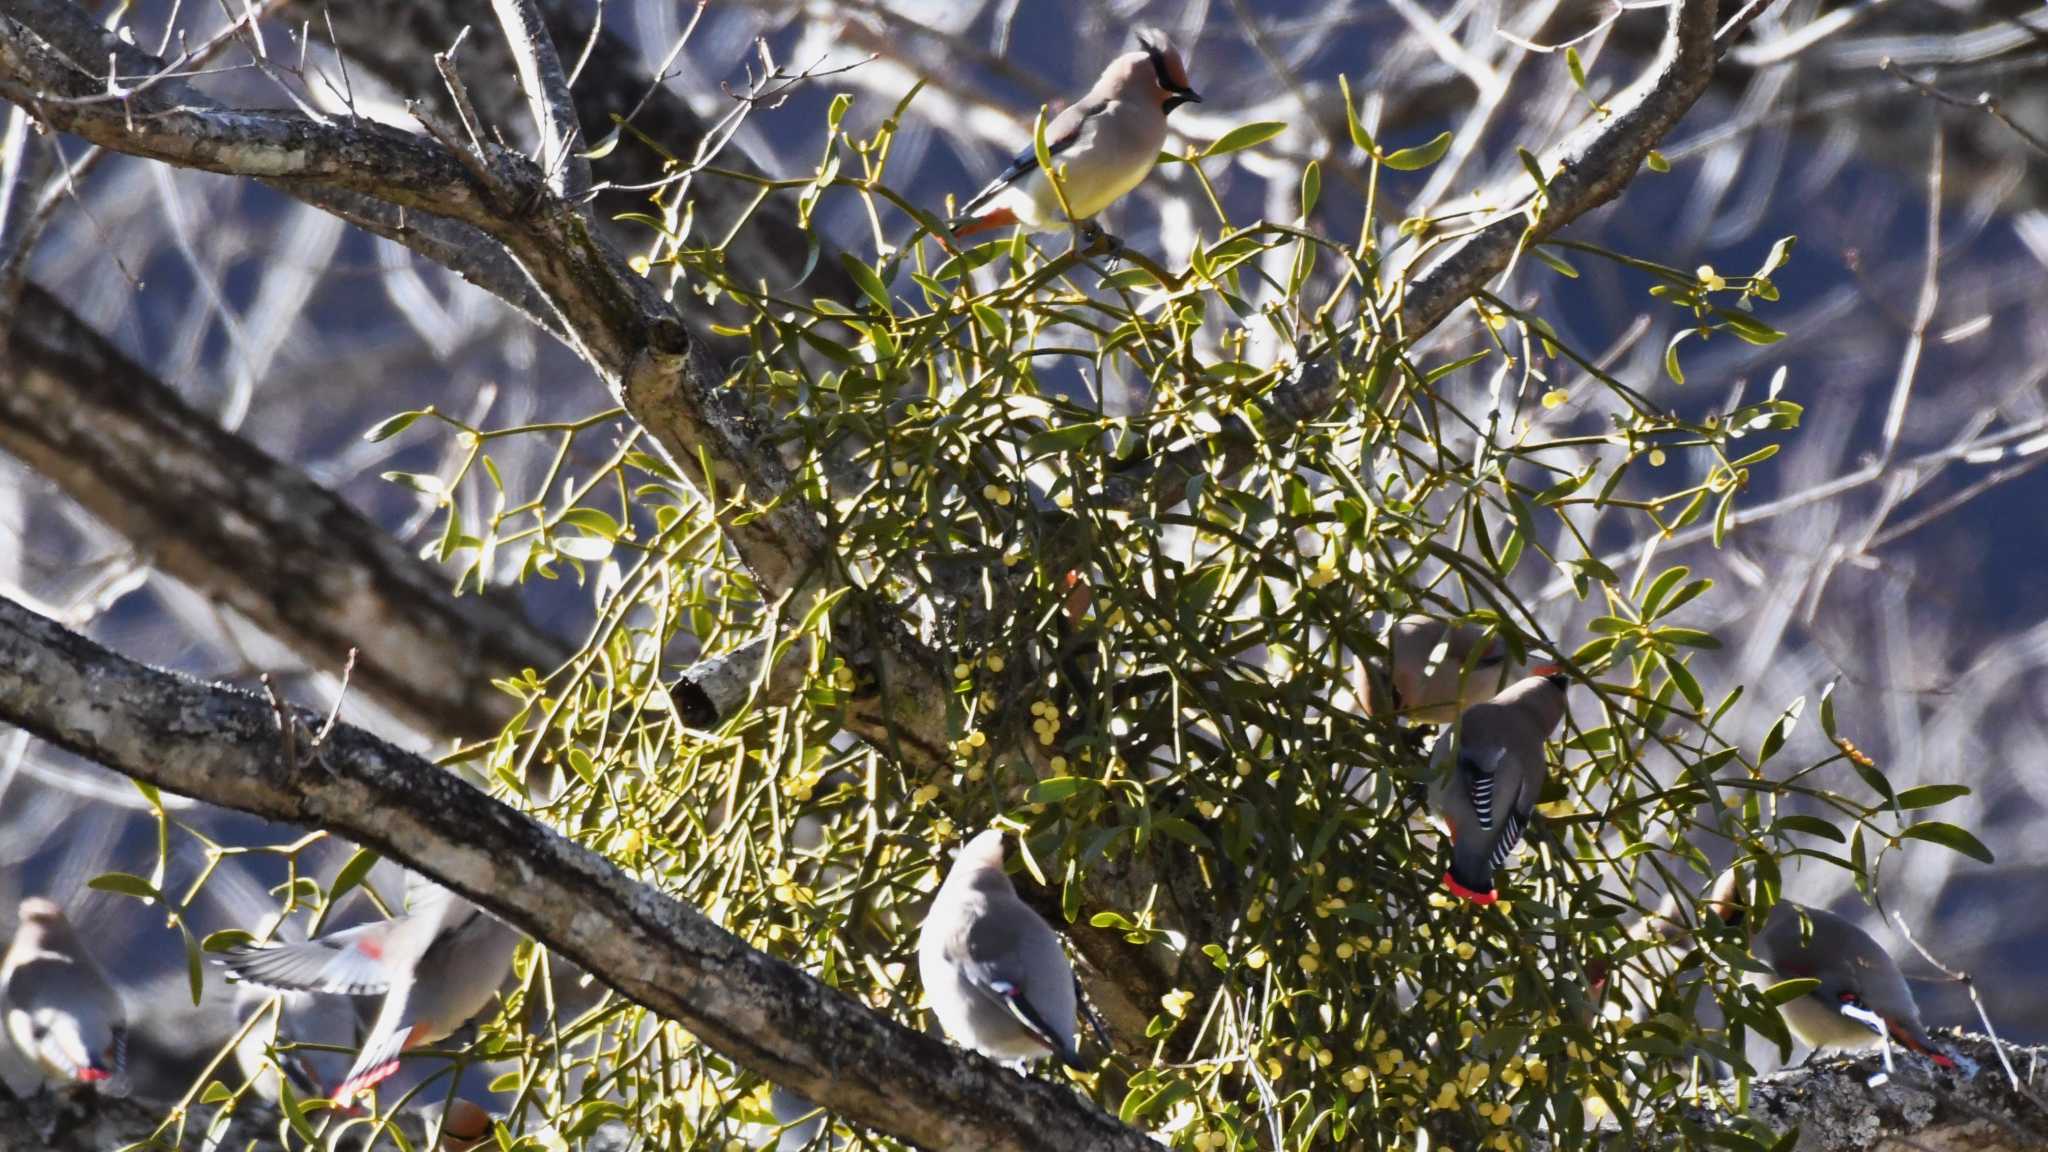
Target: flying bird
1488, 774
436, 966
63, 1013
1102, 146
994, 971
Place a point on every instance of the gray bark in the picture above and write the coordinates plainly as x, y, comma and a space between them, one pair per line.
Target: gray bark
255, 534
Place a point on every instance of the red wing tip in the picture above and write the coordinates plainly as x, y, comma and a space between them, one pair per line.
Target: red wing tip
1547, 670
355, 1085
1944, 1061
1477, 897
94, 1075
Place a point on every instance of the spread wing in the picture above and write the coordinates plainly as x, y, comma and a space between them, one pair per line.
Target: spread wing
350, 962
1060, 135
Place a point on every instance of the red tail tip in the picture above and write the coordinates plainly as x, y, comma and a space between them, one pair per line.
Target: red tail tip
999, 218
1477, 897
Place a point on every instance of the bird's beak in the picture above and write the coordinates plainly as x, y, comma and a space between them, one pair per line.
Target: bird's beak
1190, 95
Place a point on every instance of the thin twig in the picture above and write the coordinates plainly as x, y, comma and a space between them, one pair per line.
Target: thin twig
1985, 101
1923, 312
347, 669
1970, 986
539, 69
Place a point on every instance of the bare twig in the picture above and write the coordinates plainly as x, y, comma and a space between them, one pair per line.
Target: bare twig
1923, 311
547, 94
1970, 986
1984, 101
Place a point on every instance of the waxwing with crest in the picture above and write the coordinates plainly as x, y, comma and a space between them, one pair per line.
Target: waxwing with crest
1102, 145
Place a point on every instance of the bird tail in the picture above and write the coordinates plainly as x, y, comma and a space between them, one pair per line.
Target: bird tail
986, 222
379, 1059
1470, 876
108, 1068
1921, 1044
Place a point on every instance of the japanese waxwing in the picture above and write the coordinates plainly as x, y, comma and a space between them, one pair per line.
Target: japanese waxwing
1855, 972
268, 1046
437, 965
1487, 777
1426, 678
1103, 145
994, 971
63, 1014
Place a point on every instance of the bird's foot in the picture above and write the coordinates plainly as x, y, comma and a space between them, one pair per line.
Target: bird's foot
1091, 239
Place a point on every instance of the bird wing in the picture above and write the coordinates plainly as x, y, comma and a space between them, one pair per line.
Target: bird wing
1481, 774
388, 1038
354, 962
1060, 135
997, 963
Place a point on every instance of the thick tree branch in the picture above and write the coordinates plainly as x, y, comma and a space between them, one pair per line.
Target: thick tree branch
222, 746
1830, 1101
211, 510
79, 1121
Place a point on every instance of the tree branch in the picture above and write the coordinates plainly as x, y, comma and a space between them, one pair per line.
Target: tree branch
644, 350
79, 1121
547, 94
616, 319
612, 85
222, 746
1587, 170
211, 510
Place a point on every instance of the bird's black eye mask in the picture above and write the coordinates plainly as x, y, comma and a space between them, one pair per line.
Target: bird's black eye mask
1172, 81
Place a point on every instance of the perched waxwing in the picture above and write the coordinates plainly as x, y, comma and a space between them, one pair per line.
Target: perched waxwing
1487, 776
1858, 978
1103, 145
994, 971
63, 1014
1434, 671
269, 1045
436, 966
